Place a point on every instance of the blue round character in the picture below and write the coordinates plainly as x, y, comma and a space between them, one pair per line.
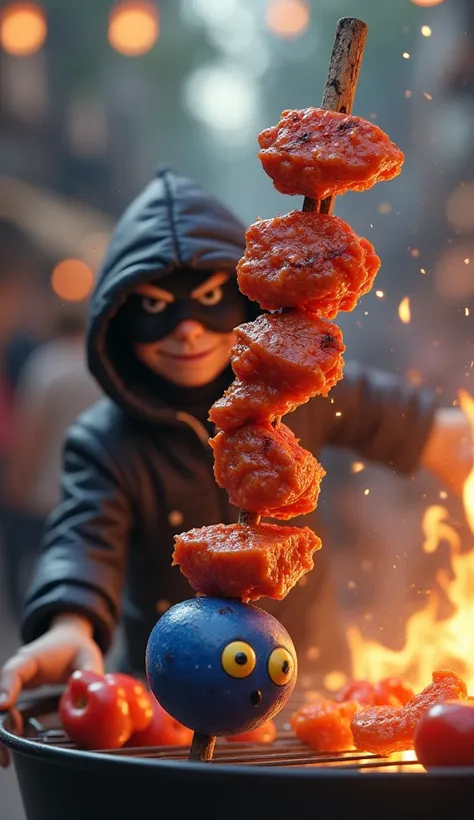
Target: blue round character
220, 667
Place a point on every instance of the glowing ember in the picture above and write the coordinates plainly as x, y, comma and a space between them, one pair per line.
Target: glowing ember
404, 311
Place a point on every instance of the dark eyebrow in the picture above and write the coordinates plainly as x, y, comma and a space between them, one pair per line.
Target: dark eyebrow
154, 292
216, 280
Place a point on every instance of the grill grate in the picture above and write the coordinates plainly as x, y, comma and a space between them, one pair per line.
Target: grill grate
285, 751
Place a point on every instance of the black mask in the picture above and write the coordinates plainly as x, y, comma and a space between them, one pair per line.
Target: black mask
219, 309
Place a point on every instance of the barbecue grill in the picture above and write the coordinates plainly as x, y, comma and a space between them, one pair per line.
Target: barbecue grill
58, 781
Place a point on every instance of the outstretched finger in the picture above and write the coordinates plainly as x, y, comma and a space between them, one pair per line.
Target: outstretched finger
16, 674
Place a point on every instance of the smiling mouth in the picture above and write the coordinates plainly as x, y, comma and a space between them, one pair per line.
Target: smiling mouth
187, 357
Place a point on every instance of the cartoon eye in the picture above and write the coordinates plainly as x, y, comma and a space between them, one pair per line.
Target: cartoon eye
238, 659
151, 305
281, 666
212, 297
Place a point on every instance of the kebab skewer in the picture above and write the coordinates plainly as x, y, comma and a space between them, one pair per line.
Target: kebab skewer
304, 267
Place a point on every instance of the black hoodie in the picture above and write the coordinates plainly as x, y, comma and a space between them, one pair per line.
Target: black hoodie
137, 471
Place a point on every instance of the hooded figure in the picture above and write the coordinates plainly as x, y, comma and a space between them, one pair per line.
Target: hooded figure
137, 465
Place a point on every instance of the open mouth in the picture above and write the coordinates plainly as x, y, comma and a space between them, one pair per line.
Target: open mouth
256, 697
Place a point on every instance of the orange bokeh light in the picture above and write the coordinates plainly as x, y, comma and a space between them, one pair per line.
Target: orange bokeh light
23, 28
427, 2
287, 18
72, 280
133, 27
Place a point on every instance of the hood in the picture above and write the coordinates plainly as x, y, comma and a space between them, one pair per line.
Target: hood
173, 224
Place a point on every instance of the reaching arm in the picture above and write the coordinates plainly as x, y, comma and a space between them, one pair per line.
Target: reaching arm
381, 416
389, 421
74, 600
82, 561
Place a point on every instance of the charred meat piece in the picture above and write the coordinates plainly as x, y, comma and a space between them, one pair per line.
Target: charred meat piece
317, 153
265, 470
293, 349
253, 403
306, 259
326, 725
245, 561
387, 729
281, 361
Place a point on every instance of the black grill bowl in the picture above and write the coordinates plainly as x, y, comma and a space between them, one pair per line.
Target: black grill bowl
283, 780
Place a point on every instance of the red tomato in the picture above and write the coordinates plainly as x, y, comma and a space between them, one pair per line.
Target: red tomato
444, 735
163, 730
138, 697
95, 713
360, 690
264, 734
392, 691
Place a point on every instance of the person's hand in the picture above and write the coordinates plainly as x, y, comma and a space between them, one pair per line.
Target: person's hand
448, 453
68, 645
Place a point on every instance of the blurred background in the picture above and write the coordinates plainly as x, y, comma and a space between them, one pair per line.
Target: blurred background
95, 94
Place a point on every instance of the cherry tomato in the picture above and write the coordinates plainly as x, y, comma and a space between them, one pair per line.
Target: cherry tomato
94, 712
444, 735
360, 690
392, 691
264, 734
163, 730
138, 697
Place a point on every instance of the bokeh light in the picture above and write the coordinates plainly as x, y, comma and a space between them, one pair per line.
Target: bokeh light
427, 2
133, 27
72, 280
224, 100
23, 28
453, 272
287, 18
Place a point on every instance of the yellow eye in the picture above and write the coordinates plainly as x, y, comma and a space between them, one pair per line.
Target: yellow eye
281, 666
238, 659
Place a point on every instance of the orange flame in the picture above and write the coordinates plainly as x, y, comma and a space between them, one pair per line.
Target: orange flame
467, 405
432, 641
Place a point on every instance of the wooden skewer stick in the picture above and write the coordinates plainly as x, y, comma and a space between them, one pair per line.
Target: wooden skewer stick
246, 517
341, 83
202, 747
339, 93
